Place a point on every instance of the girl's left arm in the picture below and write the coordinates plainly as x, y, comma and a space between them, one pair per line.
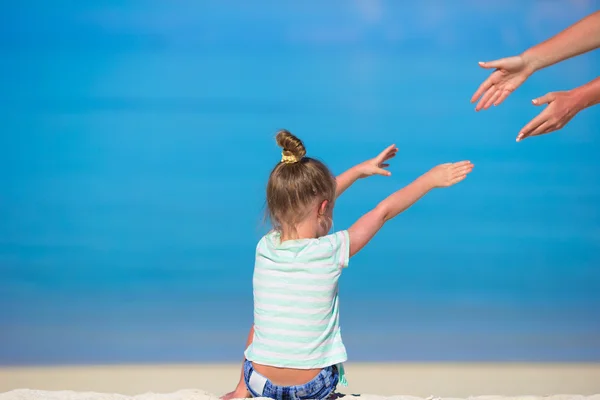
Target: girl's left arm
241, 392
444, 175
374, 166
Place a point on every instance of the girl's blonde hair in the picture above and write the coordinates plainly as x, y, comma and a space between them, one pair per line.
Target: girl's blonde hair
296, 183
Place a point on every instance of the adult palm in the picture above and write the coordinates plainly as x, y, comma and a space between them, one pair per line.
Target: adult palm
509, 74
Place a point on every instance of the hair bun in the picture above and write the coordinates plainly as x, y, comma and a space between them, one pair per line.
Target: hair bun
293, 148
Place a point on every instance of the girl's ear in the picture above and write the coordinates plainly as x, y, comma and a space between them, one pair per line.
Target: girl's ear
323, 207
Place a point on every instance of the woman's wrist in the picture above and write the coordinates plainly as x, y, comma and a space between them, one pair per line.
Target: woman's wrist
587, 95
581, 99
532, 61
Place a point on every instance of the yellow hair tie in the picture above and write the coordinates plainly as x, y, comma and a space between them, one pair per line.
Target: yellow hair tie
288, 159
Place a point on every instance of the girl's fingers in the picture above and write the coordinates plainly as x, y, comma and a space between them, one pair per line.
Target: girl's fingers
461, 164
391, 155
457, 179
385, 153
461, 172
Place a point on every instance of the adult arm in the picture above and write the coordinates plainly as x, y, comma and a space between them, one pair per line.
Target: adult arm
509, 73
579, 38
562, 107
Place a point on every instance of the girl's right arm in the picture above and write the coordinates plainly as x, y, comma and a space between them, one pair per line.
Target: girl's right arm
368, 225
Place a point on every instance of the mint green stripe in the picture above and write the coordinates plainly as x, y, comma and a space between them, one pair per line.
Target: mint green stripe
302, 318
324, 362
291, 302
336, 245
279, 290
291, 326
310, 250
290, 338
300, 313
331, 359
331, 348
325, 281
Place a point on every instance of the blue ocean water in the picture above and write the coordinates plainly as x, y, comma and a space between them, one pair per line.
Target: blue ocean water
137, 138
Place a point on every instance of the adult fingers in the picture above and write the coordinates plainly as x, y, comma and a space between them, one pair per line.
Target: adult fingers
532, 125
484, 99
503, 96
482, 88
547, 98
546, 127
500, 63
492, 99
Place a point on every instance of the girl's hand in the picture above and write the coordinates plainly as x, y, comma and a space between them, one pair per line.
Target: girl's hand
377, 165
238, 393
562, 106
510, 73
449, 174
374, 166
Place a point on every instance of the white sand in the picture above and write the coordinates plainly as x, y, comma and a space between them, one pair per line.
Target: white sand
388, 381
200, 395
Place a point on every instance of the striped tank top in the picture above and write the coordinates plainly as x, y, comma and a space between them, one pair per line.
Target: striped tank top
296, 304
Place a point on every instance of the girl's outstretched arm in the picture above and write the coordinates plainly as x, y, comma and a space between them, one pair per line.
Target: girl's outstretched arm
374, 166
368, 225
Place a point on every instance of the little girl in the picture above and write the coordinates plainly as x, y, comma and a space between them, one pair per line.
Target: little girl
295, 349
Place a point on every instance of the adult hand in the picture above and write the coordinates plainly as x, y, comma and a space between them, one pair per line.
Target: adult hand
562, 106
510, 73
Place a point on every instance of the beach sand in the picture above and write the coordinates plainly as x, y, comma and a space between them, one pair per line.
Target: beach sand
371, 381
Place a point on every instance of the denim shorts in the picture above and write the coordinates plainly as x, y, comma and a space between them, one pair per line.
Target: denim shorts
320, 387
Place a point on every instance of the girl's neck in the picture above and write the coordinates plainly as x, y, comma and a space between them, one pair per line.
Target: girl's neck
304, 230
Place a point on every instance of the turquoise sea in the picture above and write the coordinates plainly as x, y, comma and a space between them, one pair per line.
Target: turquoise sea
137, 137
